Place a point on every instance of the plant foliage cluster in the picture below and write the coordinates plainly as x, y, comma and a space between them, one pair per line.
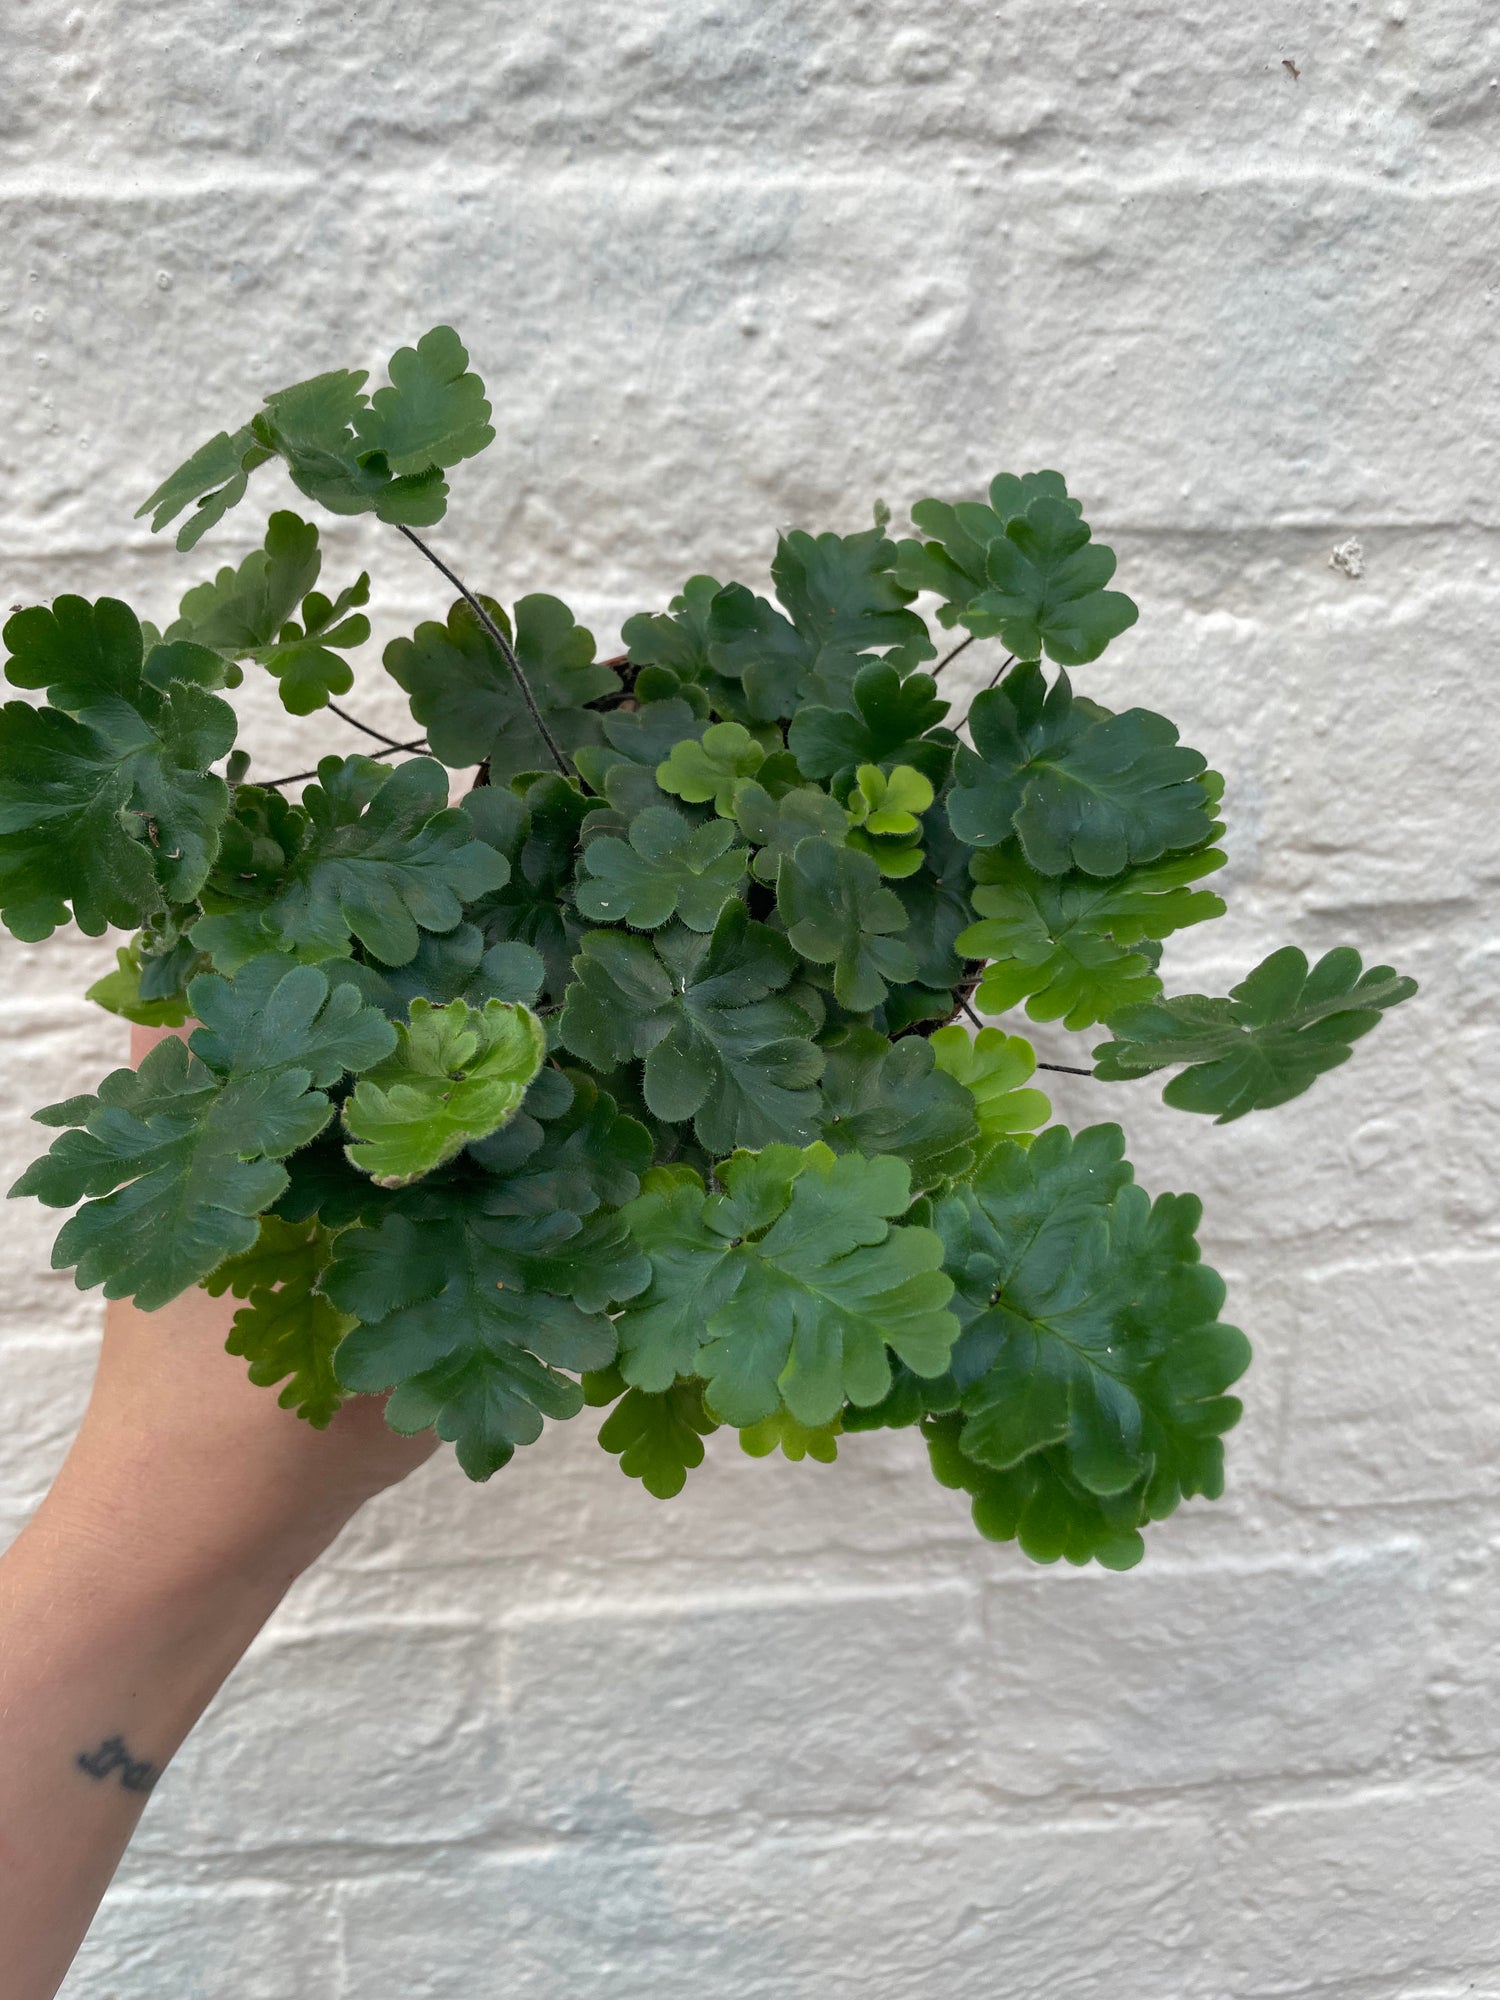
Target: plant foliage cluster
644, 1075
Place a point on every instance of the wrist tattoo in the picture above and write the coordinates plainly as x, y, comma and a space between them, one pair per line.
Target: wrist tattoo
136, 1774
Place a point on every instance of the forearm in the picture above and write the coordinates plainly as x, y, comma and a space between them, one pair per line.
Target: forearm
187, 1506
182, 1513
117, 1626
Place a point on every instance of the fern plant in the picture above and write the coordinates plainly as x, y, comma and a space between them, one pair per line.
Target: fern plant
651, 1072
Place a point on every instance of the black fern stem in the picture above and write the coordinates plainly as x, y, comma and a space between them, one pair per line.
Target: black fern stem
1063, 1069
355, 723
507, 651
953, 655
296, 777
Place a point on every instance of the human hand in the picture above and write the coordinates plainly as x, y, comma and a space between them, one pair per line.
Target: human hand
189, 1502
175, 1425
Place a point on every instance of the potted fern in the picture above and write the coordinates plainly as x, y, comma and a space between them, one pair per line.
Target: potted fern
655, 1072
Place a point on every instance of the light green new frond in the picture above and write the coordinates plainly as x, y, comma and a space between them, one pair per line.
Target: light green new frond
465, 696
122, 992
712, 767
994, 1068
886, 813
1063, 943
456, 1074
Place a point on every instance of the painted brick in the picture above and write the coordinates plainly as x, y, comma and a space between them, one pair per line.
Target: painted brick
1464, 1667
1086, 1912
372, 1737
1381, 90
255, 1939
826, 1705
44, 1385
1379, 1884
1189, 1676
728, 269
1389, 1401
565, 1505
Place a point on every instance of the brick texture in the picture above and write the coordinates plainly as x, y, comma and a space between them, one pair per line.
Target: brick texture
727, 268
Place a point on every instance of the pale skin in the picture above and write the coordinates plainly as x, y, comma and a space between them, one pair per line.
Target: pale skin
188, 1504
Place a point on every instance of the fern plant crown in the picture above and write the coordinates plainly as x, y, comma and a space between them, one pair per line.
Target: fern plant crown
653, 1073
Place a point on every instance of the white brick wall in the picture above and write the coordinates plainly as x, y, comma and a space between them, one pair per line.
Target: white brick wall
726, 267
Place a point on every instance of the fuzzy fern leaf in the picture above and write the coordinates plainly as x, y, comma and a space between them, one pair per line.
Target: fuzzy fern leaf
774, 826
842, 603
889, 721
1062, 943
1038, 1503
474, 1322
1280, 1029
570, 1147
107, 804
1033, 576
953, 563
1097, 1330
433, 413
466, 698
246, 613
824, 1291
372, 854
354, 454
899, 1098
1080, 788
666, 868
838, 914
788, 1287
723, 1045
535, 828
120, 992
287, 1330
457, 1074
177, 1158
671, 652
456, 965
658, 1439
